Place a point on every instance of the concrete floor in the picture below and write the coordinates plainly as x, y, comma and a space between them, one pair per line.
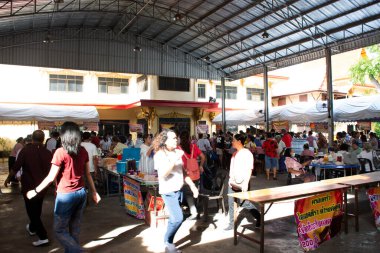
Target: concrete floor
107, 228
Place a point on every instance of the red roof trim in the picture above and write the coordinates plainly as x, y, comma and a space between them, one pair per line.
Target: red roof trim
170, 103
143, 102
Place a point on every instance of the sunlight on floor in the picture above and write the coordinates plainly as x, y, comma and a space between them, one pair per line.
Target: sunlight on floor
54, 250
109, 236
194, 232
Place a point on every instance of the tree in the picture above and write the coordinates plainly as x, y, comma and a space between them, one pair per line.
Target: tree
377, 128
367, 66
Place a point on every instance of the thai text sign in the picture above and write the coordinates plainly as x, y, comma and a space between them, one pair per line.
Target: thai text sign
203, 129
279, 125
318, 218
135, 127
133, 199
374, 200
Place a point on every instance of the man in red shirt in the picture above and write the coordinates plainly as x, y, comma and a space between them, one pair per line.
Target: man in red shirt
95, 139
286, 138
270, 147
35, 161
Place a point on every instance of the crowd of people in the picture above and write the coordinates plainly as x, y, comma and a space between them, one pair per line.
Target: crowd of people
71, 158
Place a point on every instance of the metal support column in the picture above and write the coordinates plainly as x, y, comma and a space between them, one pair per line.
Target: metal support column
223, 105
330, 95
266, 99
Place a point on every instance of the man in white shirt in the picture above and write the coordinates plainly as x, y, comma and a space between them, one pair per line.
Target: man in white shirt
92, 154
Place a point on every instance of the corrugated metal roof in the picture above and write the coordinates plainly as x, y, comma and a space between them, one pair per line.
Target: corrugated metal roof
229, 32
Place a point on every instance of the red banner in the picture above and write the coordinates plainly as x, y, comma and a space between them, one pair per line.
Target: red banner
318, 218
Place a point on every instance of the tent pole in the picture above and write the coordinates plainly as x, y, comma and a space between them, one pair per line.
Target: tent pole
266, 99
223, 105
330, 96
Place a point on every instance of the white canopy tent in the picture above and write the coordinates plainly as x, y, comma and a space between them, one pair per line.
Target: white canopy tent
358, 108
350, 109
33, 112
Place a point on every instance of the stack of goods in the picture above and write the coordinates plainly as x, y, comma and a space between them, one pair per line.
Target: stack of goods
152, 218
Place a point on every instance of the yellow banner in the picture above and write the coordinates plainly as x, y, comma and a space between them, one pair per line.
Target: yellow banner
318, 218
133, 199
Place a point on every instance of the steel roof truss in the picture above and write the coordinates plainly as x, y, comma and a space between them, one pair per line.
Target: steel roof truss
310, 26
337, 29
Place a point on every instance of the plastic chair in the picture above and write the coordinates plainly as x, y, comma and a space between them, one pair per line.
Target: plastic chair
214, 195
363, 162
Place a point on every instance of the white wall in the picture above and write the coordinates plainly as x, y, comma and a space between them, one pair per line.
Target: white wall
31, 85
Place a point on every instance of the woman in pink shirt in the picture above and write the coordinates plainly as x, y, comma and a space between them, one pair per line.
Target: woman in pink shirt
295, 168
306, 151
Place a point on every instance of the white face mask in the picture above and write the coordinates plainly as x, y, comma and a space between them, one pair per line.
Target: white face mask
293, 154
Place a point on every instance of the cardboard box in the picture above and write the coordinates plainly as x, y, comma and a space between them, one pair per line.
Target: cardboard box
156, 219
149, 202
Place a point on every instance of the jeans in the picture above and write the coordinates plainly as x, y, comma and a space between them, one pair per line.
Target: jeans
68, 212
246, 204
34, 209
189, 198
271, 162
172, 200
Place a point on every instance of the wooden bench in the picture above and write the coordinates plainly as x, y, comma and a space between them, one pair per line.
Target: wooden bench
356, 182
271, 195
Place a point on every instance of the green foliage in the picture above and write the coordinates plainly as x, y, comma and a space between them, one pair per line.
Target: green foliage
377, 128
367, 67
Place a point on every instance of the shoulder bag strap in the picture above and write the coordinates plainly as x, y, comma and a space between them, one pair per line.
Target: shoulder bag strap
184, 154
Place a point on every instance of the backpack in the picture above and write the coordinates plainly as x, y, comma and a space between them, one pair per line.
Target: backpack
192, 167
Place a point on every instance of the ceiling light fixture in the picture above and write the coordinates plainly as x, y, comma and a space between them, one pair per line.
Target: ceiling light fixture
48, 39
137, 49
178, 16
265, 35
207, 57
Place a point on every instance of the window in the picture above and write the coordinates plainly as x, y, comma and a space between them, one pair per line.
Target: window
142, 83
174, 84
201, 90
66, 83
231, 92
113, 85
255, 94
282, 101
303, 98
